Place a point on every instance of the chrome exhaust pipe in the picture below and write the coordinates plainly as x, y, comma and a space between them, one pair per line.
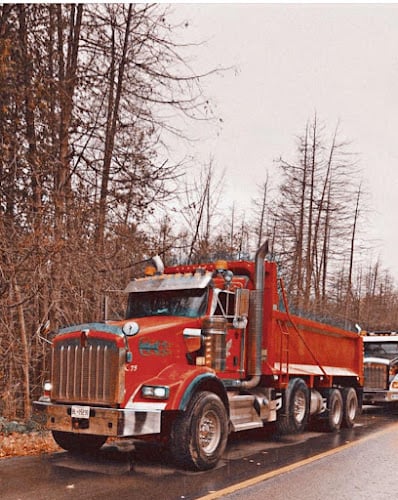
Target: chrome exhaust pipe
255, 332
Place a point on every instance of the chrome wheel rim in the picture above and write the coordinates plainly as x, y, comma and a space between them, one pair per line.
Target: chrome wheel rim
299, 406
351, 408
209, 432
336, 412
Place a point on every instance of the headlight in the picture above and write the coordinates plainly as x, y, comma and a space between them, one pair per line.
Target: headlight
155, 391
47, 386
131, 328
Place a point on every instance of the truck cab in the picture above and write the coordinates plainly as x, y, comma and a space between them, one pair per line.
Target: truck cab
380, 367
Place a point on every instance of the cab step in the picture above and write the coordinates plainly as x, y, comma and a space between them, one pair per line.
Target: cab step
243, 414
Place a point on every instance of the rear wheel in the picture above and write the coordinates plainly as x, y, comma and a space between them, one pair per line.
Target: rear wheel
335, 410
79, 443
293, 415
350, 407
199, 435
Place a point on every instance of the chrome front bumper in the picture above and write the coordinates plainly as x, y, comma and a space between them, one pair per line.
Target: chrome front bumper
137, 421
381, 396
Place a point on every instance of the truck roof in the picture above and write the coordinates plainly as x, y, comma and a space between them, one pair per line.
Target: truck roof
381, 337
169, 282
238, 267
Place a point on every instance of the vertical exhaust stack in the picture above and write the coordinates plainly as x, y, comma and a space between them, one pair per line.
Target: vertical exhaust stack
255, 332
157, 260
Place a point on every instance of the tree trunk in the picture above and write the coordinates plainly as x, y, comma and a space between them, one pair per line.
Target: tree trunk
25, 348
115, 92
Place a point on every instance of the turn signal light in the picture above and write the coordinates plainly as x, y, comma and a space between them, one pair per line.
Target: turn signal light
150, 271
221, 265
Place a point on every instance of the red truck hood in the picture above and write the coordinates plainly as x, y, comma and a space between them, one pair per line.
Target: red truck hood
152, 324
147, 325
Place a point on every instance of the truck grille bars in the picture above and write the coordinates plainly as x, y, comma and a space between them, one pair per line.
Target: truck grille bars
87, 374
376, 375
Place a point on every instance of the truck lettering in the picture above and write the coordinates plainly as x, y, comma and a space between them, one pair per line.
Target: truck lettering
155, 348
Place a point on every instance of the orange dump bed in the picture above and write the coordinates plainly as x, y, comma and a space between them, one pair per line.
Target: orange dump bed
297, 345
300, 346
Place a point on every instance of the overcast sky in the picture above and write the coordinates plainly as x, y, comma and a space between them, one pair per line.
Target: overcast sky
338, 60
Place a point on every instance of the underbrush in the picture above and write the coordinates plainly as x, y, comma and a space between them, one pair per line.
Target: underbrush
18, 438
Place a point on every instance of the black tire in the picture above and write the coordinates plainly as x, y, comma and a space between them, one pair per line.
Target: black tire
199, 435
350, 407
293, 416
335, 409
78, 443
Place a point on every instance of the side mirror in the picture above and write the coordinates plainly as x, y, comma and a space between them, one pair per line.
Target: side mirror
43, 330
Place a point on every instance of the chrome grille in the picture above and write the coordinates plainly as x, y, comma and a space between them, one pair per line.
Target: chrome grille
376, 376
87, 374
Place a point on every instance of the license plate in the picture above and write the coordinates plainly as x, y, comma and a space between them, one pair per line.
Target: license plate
80, 411
394, 396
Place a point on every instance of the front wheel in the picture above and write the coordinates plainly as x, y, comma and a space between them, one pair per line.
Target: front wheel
199, 435
79, 443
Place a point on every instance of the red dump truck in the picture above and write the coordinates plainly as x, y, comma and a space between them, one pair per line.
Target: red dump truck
204, 350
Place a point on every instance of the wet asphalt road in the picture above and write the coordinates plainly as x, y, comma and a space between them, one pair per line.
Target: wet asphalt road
131, 470
366, 470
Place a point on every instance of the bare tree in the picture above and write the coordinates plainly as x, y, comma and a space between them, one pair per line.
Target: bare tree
83, 89
313, 215
260, 206
199, 207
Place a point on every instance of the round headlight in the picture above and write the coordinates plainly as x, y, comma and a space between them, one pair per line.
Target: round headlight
131, 328
47, 386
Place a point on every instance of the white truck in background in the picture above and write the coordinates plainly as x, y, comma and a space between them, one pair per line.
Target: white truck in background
380, 367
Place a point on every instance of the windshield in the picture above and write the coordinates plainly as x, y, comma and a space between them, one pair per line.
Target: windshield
191, 303
388, 350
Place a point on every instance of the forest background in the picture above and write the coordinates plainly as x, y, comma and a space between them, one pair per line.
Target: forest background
92, 96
